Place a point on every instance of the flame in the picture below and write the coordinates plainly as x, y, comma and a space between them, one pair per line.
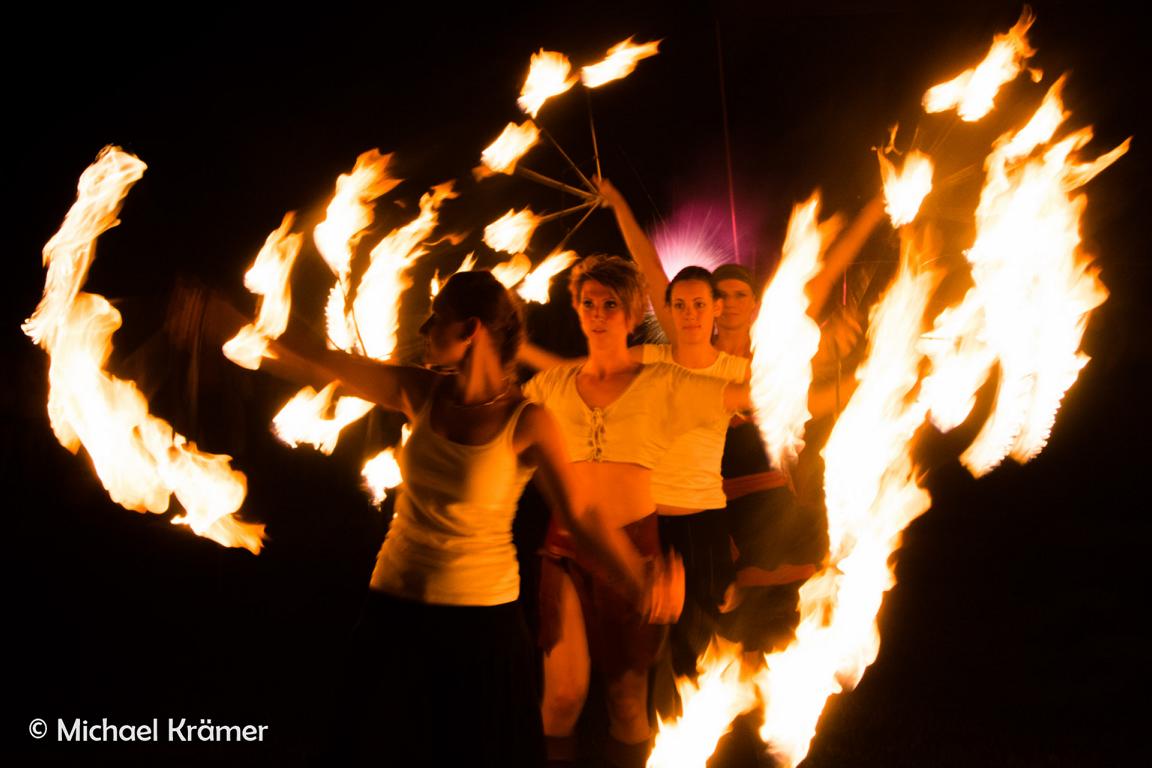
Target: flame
311, 418
512, 231
349, 214
961, 360
140, 460
465, 266
69, 253
351, 210
374, 321
382, 471
547, 77
377, 303
710, 703
1034, 286
1032, 293
973, 92
511, 272
784, 337
535, 285
267, 278
619, 62
905, 190
512, 144
871, 495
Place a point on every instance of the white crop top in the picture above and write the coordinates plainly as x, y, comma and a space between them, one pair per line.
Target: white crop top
688, 475
450, 542
662, 402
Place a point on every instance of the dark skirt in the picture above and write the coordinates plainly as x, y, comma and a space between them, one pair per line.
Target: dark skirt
702, 541
769, 529
435, 685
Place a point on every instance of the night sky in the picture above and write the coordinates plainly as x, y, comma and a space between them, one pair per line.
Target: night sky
1011, 637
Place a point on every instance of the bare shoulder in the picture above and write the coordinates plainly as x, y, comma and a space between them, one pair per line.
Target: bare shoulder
535, 428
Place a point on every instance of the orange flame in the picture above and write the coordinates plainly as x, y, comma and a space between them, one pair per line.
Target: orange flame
535, 284
140, 460
311, 418
710, 704
512, 231
871, 497
374, 323
1035, 286
619, 62
973, 92
548, 76
377, 303
905, 190
512, 144
349, 214
351, 210
467, 265
785, 338
382, 471
267, 278
511, 272
1032, 293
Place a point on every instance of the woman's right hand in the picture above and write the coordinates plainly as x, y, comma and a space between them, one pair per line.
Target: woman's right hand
665, 593
609, 195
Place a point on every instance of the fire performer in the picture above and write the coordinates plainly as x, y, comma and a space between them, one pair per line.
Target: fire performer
686, 484
618, 417
779, 540
778, 543
442, 618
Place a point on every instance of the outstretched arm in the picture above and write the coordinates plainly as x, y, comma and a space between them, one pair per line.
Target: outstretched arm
542, 360
539, 358
297, 356
402, 388
643, 252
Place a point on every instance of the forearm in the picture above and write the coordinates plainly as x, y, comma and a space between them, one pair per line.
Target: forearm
539, 358
615, 556
843, 251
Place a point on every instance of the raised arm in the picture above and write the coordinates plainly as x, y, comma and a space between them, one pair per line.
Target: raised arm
656, 587
843, 251
643, 253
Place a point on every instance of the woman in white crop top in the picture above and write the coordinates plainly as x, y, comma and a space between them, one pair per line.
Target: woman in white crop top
442, 618
687, 485
619, 417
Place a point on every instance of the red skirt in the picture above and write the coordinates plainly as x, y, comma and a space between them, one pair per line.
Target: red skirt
619, 637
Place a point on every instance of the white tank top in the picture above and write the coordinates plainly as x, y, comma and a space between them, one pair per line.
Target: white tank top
688, 475
450, 542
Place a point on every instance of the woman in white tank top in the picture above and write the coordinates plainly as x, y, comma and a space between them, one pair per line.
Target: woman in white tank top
442, 621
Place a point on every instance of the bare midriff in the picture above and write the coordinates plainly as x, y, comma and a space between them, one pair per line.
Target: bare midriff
621, 492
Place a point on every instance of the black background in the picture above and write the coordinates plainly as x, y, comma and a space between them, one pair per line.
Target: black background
1011, 638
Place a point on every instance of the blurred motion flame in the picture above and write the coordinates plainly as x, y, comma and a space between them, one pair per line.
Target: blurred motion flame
140, 460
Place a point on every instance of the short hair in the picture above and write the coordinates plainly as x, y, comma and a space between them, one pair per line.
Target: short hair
618, 275
691, 273
735, 272
480, 295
